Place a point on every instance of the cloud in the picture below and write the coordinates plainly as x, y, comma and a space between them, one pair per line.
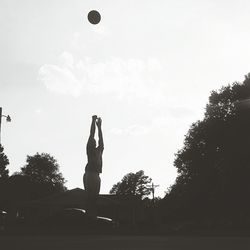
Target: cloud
125, 78
162, 124
60, 80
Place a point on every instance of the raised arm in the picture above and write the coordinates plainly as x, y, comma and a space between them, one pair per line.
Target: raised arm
99, 126
92, 127
91, 140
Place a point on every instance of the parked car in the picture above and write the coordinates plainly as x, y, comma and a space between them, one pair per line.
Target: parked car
3, 215
77, 218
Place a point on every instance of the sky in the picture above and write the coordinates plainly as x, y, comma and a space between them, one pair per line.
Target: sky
147, 69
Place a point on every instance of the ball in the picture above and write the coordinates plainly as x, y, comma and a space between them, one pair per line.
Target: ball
94, 17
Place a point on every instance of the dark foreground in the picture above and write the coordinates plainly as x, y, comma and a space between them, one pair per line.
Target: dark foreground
123, 242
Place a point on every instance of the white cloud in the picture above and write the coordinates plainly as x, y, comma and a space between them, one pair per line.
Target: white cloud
125, 78
60, 80
67, 59
160, 123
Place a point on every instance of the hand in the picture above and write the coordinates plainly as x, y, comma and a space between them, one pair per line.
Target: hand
99, 122
94, 117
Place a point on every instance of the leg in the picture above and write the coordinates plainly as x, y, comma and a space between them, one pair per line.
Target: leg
91, 182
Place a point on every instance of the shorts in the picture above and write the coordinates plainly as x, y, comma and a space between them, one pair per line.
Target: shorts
92, 183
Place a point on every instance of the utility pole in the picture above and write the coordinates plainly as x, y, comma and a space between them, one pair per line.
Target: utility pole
153, 186
153, 211
8, 119
153, 190
0, 122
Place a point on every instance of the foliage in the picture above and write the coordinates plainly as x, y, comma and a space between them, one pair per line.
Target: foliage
43, 169
214, 164
135, 184
4, 162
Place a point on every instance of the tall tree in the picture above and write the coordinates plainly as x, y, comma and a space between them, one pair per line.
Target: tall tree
43, 169
214, 164
4, 162
133, 184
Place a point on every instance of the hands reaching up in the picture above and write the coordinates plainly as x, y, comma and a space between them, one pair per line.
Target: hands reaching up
99, 122
94, 117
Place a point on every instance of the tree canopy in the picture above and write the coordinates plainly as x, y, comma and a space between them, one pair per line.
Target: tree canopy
135, 184
214, 164
43, 168
4, 162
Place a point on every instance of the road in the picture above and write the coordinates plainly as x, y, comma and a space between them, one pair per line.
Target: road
123, 242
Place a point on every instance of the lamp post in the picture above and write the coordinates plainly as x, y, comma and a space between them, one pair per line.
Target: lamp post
8, 119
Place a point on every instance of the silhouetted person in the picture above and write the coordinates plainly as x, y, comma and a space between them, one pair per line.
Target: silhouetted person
91, 178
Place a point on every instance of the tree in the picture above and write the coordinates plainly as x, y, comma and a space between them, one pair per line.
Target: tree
214, 164
133, 184
43, 169
4, 173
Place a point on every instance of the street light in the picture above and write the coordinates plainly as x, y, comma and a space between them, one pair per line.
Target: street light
8, 119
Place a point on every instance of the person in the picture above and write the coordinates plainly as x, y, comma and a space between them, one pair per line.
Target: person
91, 178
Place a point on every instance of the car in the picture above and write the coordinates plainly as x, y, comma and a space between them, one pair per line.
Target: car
3, 215
77, 218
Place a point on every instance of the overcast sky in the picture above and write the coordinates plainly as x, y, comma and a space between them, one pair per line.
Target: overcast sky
147, 69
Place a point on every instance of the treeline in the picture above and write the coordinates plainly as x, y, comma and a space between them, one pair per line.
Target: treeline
38, 178
212, 188
214, 164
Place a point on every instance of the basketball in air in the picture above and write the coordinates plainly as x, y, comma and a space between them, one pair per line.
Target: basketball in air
94, 17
